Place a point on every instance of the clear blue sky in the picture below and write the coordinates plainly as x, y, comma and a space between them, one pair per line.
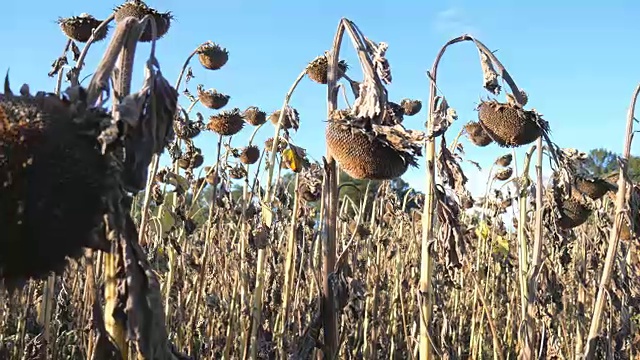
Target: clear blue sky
579, 63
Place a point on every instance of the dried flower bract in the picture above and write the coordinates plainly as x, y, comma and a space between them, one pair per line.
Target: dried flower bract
366, 150
139, 10
227, 122
212, 99
254, 116
411, 107
80, 28
318, 68
212, 56
510, 125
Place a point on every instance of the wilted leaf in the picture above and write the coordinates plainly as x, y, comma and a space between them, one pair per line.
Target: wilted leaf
501, 245
450, 170
145, 308
294, 158
443, 117
450, 233
401, 139
369, 102
482, 231
380, 62
167, 220
489, 73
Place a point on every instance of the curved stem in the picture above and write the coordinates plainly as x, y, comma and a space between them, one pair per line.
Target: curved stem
254, 133
330, 210
184, 67
61, 72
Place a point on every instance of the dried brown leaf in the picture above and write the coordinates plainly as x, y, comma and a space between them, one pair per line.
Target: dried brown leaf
490, 74
443, 117
450, 170
450, 237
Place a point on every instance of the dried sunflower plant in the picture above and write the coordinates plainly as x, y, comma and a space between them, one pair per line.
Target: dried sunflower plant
537, 268
82, 161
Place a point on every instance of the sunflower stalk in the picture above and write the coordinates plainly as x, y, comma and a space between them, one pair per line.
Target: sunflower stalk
267, 219
330, 211
523, 253
288, 268
614, 234
536, 261
123, 45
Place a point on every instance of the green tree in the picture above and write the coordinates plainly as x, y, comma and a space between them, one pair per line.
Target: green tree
601, 162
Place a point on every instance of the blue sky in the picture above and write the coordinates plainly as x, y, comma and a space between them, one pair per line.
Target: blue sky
574, 61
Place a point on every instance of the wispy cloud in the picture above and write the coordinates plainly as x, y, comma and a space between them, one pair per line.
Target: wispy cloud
453, 21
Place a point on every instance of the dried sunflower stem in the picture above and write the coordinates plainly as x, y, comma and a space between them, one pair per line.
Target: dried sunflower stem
371, 306
243, 227
428, 216
61, 72
288, 268
488, 186
100, 79
121, 49
523, 253
47, 308
267, 219
497, 345
186, 64
234, 313
534, 267
22, 320
330, 210
580, 260
171, 251
614, 234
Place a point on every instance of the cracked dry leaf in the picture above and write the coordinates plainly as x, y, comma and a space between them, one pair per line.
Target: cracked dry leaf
443, 117
380, 62
149, 115
450, 237
144, 307
400, 138
450, 170
369, 102
489, 73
